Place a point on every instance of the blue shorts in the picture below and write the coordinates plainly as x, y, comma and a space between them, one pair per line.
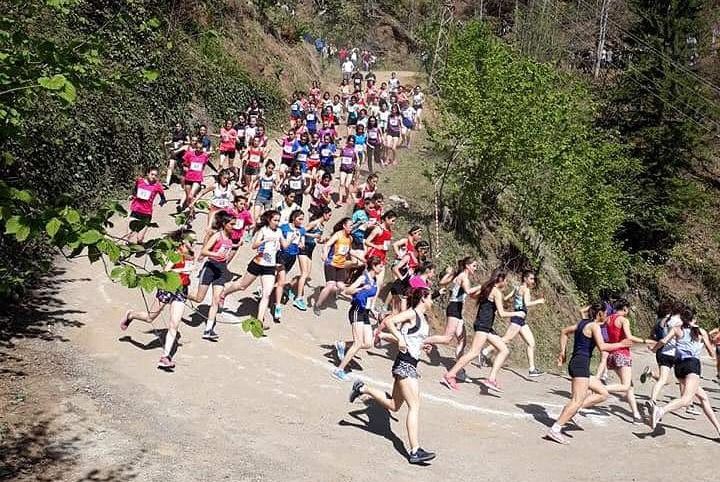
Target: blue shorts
517, 321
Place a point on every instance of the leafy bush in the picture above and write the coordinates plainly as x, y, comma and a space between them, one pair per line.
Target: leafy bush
526, 151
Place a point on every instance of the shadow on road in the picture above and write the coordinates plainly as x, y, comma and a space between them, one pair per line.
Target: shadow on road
377, 422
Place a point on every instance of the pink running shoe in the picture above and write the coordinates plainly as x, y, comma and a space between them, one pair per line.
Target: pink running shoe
492, 385
125, 322
450, 382
166, 362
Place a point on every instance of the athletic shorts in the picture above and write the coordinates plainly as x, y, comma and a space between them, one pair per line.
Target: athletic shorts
347, 170
482, 326
395, 134
665, 360
335, 274
266, 203
517, 321
308, 250
230, 154
402, 369
579, 367
214, 273
286, 261
251, 171
399, 287
685, 367
288, 161
617, 360
328, 168
352, 121
141, 216
358, 314
260, 269
167, 297
454, 309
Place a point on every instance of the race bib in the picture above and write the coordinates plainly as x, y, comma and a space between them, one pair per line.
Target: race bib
345, 160
266, 185
287, 149
295, 184
301, 156
254, 159
239, 224
221, 203
188, 267
372, 135
177, 144
393, 122
386, 245
143, 194
325, 152
343, 250
224, 249
359, 147
196, 166
310, 117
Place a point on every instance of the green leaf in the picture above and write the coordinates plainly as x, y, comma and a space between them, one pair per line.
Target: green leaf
174, 257
116, 272
151, 75
21, 195
72, 216
137, 225
129, 277
153, 22
118, 208
53, 226
69, 94
90, 237
13, 225
56, 82
172, 281
22, 233
253, 326
148, 283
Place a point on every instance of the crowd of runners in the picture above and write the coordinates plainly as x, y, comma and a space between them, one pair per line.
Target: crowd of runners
279, 208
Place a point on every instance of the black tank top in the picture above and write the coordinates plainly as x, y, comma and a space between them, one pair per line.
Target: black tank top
583, 346
486, 313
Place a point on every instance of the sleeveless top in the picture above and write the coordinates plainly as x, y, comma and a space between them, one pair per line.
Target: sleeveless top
222, 246
519, 300
583, 346
457, 293
414, 337
486, 313
686, 347
267, 252
616, 334
361, 297
383, 239
222, 196
339, 251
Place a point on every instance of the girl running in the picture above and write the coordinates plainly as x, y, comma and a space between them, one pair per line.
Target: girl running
313, 235
668, 317
321, 195
243, 220
392, 139
179, 142
455, 327
164, 298
294, 235
286, 144
409, 330
363, 289
336, 261
222, 194
147, 188
689, 342
360, 144
268, 240
254, 158
522, 300
587, 391
403, 271
301, 151
348, 161
194, 162
228, 139
374, 143
296, 184
327, 155
266, 186
490, 303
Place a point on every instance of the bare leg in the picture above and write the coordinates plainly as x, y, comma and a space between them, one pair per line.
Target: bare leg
527, 335
625, 386
579, 392
500, 358
477, 344
410, 390
362, 339
176, 312
217, 291
267, 282
661, 382
147, 316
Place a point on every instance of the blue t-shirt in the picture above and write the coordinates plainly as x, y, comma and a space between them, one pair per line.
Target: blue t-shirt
302, 152
361, 297
360, 139
359, 217
294, 236
311, 119
327, 154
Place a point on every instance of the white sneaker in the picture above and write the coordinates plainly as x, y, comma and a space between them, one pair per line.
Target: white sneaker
556, 437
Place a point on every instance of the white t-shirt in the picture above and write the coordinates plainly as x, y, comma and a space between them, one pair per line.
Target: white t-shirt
348, 67
270, 247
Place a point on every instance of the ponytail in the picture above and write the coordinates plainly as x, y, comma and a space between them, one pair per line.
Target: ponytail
487, 287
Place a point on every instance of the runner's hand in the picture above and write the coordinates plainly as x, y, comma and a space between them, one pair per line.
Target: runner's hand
560, 359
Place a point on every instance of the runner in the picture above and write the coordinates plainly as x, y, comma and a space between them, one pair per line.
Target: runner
353, 109
164, 298
360, 144
147, 188
413, 328
394, 82
222, 194
296, 184
418, 99
328, 151
321, 195
287, 205
301, 151
587, 391
228, 137
490, 303
313, 235
364, 288
194, 161
689, 342
522, 300
254, 158
408, 124
377, 244
348, 161
268, 240
668, 317
294, 234
374, 143
266, 186
179, 142
392, 139
455, 327
336, 258
218, 250
403, 270
366, 191
243, 220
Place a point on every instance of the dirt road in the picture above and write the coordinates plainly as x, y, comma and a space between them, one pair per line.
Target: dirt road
268, 409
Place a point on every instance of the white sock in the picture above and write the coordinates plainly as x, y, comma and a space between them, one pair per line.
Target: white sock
556, 428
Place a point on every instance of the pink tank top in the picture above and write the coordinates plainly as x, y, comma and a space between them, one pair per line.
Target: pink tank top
222, 246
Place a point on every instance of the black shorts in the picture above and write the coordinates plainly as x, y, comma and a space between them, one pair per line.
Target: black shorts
399, 287
167, 297
141, 216
240, 144
664, 360
454, 309
308, 250
395, 134
358, 314
517, 320
286, 261
482, 327
251, 171
335, 274
288, 161
214, 273
352, 121
579, 366
328, 168
686, 367
357, 244
230, 154
260, 269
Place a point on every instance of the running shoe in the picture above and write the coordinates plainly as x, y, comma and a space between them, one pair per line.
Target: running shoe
692, 410
556, 437
461, 375
420, 456
340, 349
450, 382
166, 362
300, 304
534, 373
638, 420
356, 390
210, 335
316, 310
341, 375
290, 295
656, 415
258, 292
491, 385
644, 375
125, 322
277, 313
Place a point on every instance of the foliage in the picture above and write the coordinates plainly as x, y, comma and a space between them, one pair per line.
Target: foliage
659, 107
524, 149
88, 90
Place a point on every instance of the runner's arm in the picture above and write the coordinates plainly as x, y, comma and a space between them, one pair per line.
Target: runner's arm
603, 346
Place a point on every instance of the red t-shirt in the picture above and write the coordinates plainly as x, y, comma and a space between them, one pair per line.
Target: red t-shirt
144, 197
227, 139
195, 164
